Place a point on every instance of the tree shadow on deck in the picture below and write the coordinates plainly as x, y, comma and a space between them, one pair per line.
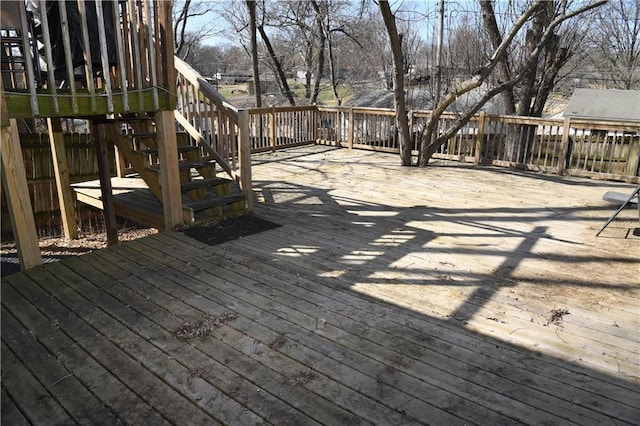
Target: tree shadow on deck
363, 247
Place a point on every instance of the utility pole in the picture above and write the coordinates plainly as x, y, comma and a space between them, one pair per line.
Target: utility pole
436, 98
439, 52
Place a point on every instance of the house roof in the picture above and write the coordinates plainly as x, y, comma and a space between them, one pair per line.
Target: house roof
421, 98
610, 104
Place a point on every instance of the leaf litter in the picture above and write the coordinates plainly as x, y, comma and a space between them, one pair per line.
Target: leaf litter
202, 327
556, 316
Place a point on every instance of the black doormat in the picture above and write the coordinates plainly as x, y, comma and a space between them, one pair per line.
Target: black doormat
229, 229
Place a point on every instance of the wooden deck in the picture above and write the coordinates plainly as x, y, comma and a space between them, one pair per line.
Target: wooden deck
390, 296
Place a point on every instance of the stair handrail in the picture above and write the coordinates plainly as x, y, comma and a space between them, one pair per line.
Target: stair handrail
232, 134
207, 89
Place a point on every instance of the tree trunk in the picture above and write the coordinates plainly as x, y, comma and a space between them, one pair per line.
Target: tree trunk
530, 62
401, 119
491, 27
332, 69
320, 67
308, 72
322, 12
251, 7
277, 65
428, 149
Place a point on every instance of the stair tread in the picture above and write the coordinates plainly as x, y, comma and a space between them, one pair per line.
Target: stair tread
203, 183
185, 165
213, 202
149, 135
154, 151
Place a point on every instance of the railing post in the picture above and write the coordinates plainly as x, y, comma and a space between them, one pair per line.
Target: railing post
168, 76
351, 129
272, 128
412, 138
480, 138
169, 174
61, 171
564, 146
244, 153
314, 124
633, 158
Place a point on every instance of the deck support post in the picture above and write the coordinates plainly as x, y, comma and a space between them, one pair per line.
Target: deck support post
244, 154
100, 138
169, 174
14, 180
63, 183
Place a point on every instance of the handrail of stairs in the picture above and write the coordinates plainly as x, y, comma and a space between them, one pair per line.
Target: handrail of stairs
185, 71
207, 117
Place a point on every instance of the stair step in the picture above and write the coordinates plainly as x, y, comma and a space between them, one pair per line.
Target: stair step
213, 202
150, 135
181, 149
184, 165
203, 183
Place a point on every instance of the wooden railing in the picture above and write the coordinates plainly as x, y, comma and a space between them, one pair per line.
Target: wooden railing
97, 58
214, 125
607, 150
275, 128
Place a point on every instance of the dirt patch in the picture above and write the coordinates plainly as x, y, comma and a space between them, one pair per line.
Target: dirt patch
55, 247
279, 341
202, 327
215, 233
302, 378
556, 316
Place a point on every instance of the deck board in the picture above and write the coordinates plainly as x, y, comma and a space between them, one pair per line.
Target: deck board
66, 389
389, 295
371, 345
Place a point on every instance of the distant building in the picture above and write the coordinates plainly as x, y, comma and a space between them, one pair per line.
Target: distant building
609, 104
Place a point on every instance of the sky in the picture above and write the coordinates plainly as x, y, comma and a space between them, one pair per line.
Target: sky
422, 10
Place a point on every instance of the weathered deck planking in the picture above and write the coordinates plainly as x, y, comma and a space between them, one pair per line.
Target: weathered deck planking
389, 296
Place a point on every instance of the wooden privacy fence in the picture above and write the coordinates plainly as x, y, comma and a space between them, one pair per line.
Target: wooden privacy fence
36, 150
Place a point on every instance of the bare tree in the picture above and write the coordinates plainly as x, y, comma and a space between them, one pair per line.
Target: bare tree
617, 44
251, 8
401, 119
184, 12
277, 66
530, 60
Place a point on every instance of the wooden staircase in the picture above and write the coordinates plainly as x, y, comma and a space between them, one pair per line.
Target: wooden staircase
214, 169
207, 191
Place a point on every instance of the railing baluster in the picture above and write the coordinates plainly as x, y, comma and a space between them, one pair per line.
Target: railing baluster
151, 45
46, 38
136, 58
88, 65
28, 60
64, 24
122, 72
